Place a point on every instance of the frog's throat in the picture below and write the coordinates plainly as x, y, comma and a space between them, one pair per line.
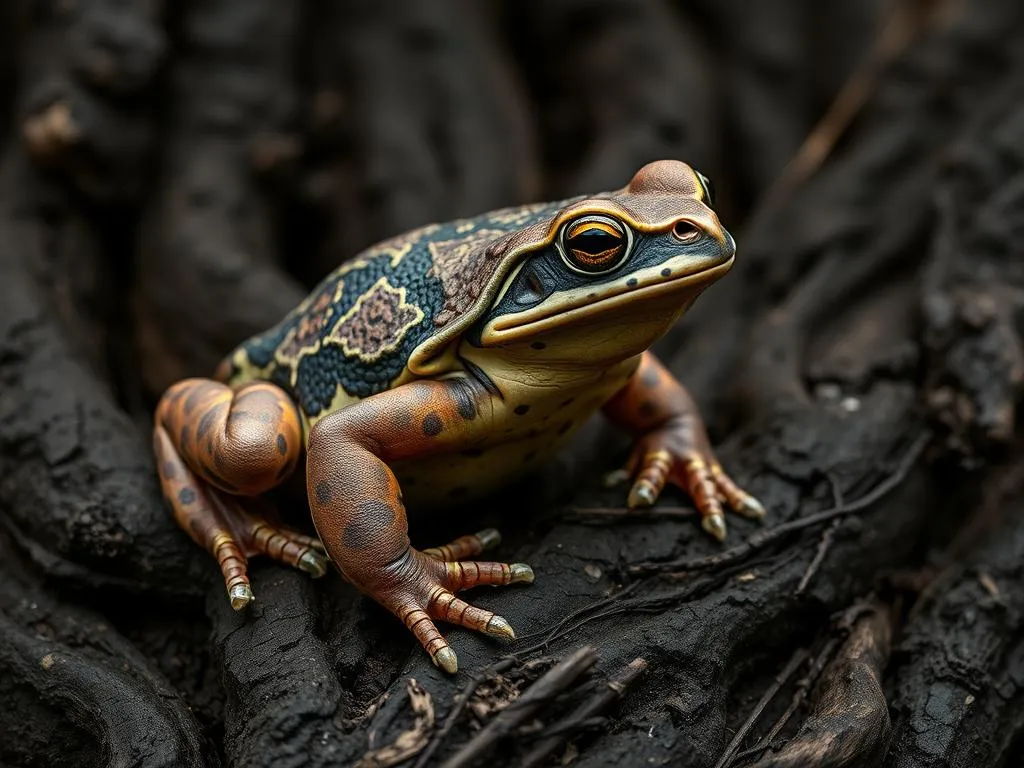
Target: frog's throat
577, 307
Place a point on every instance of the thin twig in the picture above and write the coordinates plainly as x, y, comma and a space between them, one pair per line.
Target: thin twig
819, 557
554, 631
806, 683
794, 663
763, 538
826, 539
461, 700
553, 682
560, 731
604, 514
409, 742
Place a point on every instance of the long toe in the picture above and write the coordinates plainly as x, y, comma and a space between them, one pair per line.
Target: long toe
262, 537
473, 573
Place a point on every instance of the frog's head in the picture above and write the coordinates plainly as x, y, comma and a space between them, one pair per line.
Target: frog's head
613, 272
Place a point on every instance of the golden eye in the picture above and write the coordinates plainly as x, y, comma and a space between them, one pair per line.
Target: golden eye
594, 244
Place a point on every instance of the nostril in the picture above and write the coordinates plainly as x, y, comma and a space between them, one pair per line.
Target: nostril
685, 232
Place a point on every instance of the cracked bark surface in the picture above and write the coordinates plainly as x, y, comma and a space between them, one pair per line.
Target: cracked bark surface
172, 178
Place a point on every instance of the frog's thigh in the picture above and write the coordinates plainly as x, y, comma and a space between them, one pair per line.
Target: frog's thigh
243, 441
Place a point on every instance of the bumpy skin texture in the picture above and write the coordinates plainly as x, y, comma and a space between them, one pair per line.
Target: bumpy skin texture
377, 318
355, 333
453, 357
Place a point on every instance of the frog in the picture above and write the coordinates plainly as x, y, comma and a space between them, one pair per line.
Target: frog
439, 366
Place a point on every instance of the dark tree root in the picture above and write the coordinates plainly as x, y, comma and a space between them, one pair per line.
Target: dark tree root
954, 698
100, 700
973, 296
848, 724
206, 261
860, 372
79, 491
75, 690
272, 652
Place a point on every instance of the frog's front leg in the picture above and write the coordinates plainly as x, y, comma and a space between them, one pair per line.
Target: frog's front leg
672, 446
358, 511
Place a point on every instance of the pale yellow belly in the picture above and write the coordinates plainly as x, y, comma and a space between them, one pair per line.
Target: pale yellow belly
449, 479
538, 414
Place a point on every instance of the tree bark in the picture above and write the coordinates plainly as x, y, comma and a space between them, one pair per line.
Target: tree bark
174, 177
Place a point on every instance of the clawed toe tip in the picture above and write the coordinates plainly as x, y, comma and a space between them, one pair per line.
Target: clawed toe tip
240, 596
642, 495
313, 563
498, 627
752, 508
489, 537
521, 573
446, 660
715, 525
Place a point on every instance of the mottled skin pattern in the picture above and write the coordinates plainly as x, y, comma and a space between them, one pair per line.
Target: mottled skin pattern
435, 367
214, 445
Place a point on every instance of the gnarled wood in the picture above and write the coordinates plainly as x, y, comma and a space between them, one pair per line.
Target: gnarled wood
173, 178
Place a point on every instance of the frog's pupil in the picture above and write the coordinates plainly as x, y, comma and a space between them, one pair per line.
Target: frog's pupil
594, 242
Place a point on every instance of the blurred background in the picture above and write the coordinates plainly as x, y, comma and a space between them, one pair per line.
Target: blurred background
268, 136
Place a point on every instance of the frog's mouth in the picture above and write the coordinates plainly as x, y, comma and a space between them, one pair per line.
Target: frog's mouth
678, 275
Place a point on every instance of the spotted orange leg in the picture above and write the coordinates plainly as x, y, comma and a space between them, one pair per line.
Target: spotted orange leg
358, 511
216, 446
672, 447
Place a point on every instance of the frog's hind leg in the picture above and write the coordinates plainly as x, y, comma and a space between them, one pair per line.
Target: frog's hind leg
215, 445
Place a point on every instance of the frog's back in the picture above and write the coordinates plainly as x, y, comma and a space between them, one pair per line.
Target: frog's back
357, 331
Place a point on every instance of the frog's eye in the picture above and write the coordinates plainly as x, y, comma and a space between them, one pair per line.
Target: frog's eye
594, 244
707, 188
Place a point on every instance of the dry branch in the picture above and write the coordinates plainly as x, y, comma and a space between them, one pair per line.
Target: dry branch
558, 679
562, 730
848, 725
